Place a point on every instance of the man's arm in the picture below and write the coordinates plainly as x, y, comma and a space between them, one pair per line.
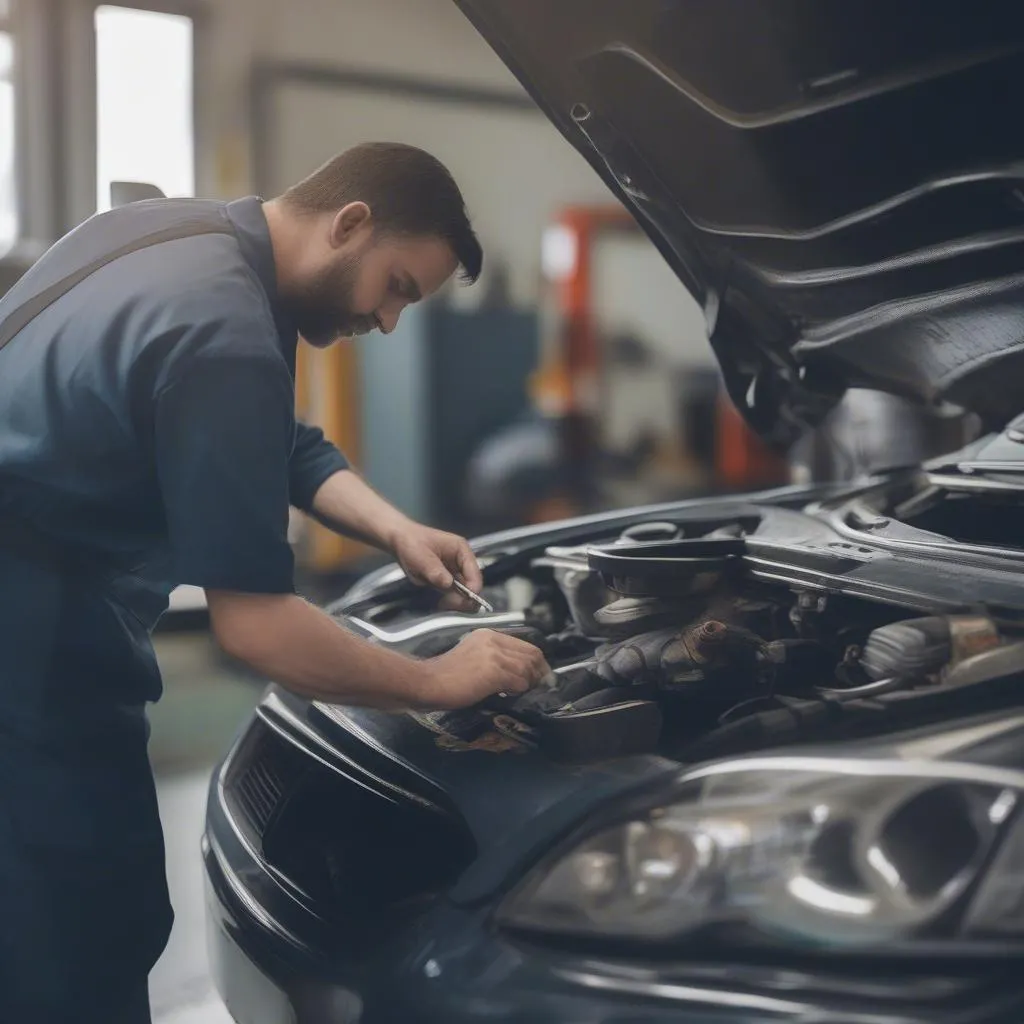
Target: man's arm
431, 557
322, 485
288, 640
346, 503
222, 438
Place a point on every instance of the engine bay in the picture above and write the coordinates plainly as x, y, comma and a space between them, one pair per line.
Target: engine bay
672, 637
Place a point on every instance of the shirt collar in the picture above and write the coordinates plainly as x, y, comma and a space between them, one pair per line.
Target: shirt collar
250, 224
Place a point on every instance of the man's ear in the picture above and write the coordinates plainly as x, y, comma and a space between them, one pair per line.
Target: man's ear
350, 221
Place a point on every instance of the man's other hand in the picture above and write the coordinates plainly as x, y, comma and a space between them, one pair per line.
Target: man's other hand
483, 663
433, 558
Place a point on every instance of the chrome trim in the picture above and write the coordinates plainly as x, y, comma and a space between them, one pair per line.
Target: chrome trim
338, 714
957, 483
947, 549
942, 771
815, 579
560, 562
408, 639
935, 747
246, 898
1010, 466
867, 690
273, 701
647, 985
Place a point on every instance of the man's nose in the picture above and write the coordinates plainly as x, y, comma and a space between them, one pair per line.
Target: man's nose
388, 319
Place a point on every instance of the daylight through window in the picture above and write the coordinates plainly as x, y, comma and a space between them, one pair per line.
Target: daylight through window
8, 173
144, 94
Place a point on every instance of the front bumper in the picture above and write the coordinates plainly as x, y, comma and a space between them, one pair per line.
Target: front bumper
282, 955
447, 965
443, 968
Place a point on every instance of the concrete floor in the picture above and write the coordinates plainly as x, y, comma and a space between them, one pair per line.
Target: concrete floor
205, 700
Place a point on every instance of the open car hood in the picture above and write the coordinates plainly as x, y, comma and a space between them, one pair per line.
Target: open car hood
840, 185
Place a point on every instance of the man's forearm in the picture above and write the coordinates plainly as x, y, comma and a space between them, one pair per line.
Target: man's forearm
347, 503
429, 557
298, 646
290, 641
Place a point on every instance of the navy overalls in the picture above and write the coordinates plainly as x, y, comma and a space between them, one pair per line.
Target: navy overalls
147, 439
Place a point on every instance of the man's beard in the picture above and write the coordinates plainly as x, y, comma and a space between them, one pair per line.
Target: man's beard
323, 313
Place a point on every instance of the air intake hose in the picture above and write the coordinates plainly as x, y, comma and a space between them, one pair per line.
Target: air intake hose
923, 647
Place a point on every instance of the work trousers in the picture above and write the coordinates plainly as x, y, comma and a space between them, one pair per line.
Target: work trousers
84, 909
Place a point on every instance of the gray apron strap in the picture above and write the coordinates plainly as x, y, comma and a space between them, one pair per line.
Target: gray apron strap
16, 533
24, 314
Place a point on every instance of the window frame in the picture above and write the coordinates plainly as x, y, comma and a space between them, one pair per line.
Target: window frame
55, 107
80, 137
35, 72
9, 26
197, 13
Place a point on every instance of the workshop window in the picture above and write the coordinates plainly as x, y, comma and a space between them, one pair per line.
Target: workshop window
8, 169
145, 128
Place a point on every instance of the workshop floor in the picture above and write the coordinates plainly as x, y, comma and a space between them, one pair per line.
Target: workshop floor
205, 700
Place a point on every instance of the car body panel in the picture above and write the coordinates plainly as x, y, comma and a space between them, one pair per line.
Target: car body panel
278, 963
837, 185
439, 955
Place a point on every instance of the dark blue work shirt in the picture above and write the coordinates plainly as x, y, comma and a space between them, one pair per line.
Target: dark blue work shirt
147, 420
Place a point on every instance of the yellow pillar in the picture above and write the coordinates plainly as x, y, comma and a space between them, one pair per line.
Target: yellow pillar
326, 396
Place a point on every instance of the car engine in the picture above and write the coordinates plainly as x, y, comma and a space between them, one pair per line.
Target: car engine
661, 642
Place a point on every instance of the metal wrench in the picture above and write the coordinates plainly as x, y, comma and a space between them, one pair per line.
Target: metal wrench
461, 587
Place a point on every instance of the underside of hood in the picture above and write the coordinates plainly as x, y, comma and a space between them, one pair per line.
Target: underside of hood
840, 185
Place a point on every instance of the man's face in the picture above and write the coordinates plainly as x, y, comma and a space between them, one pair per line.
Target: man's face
367, 282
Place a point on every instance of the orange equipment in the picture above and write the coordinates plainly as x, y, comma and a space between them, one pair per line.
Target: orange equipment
567, 382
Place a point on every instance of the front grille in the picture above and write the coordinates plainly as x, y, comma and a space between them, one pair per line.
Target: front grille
265, 771
356, 848
352, 841
259, 792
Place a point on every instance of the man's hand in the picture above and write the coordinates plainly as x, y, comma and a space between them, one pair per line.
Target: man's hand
427, 556
433, 557
484, 663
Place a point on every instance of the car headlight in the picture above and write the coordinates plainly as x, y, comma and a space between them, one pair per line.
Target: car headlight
830, 856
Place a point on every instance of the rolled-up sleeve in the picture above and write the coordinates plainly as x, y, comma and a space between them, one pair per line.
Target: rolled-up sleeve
314, 459
223, 442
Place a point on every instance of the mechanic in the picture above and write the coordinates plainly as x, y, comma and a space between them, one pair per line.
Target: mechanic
147, 439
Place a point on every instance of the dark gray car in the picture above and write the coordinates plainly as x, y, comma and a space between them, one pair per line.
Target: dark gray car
779, 770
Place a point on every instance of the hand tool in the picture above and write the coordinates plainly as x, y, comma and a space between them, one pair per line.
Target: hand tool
466, 592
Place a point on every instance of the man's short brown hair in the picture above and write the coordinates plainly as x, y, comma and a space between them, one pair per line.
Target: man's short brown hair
408, 191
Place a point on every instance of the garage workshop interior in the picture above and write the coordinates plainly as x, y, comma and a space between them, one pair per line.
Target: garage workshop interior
511, 511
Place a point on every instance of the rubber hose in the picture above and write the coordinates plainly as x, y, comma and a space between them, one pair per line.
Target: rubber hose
917, 647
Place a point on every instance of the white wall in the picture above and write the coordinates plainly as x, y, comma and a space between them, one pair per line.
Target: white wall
418, 38
636, 293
